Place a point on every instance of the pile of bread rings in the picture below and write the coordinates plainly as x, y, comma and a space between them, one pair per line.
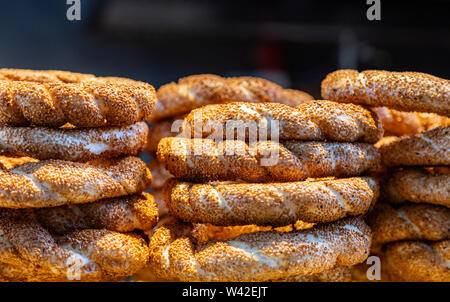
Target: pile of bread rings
72, 205
298, 190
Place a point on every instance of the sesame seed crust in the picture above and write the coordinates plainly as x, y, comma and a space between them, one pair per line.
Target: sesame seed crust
419, 186
53, 98
337, 274
312, 120
406, 91
121, 214
409, 222
260, 256
272, 204
158, 131
52, 183
198, 90
159, 174
416, 261
431, 147
73, 144
30, 253
200, 160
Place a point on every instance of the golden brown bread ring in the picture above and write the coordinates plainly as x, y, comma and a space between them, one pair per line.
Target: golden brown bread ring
258, 256
44, 76
73, 144
11, 162
31, 253
415, 261
198, 90
53, 99
159, 174
409, 222
120, 214
431, 147
163, 129
272, 204
400, 123
337, 274
200, 160
53, 183
419, 186
407, 91
312, 120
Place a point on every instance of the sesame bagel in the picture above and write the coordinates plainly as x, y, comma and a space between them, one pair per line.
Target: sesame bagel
272, 204
53, 183
406, 91
203, 160
73, 144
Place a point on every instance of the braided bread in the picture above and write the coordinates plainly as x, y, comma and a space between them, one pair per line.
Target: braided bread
122, 214
416, 261
337, 274
54, 182
313, 120
52, 98
431, 147
11, 162
258, 256
198, 90
418, 185
80, 145
407, 91
409, 222
202, 160
274, 204
28, 252
399, 123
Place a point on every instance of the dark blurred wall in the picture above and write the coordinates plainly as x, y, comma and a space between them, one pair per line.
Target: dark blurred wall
294, 43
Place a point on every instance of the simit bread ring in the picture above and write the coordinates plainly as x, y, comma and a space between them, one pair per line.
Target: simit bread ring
258, 256
416, 261
73, 144
36, 97
418, 185
55, 182
399, 123
409, 222
198, 90
202, 160
28, 252
160, 130
159, 174
274, 204
337, 274
407, 91
313, 120
11, 162
122, 214
431, 147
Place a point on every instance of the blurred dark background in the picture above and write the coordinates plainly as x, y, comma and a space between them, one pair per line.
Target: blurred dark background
294, 43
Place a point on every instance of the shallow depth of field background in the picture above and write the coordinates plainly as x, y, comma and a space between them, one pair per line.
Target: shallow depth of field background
294, 43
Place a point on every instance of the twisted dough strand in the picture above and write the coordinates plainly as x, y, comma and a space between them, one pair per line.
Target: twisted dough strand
73, 144
202, 160
28, 252
55, 182
274, 204
406, 91
312, 120
198, 90
46, 100
258, 256
409, 222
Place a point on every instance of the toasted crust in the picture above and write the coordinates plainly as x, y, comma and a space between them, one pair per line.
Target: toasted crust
11, 162
198, 90
158, 131
159, 174
409, 222
202, 160
30, 253
406, 91
54, 98
419, 186
416, 261
258, 256
400, 123
431, 147
73, 144
54, 182
337, 274
313, 120
273, 204
121, 214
